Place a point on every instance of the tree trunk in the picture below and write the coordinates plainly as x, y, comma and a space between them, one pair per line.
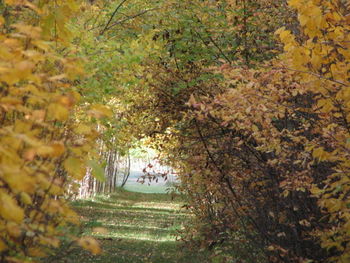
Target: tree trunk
127, 172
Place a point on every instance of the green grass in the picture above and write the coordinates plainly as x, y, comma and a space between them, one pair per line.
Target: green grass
144, 188
141, 228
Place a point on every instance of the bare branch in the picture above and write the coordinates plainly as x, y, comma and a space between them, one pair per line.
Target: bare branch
130, 17
112, 16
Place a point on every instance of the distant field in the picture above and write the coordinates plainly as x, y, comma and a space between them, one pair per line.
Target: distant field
148, 187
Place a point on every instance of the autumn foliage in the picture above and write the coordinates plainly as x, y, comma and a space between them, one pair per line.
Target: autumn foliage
261, 145
279, 152
247, 100
43, 149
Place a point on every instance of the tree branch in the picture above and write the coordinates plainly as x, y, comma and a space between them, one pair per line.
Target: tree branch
129, 18
112, 16
314, 74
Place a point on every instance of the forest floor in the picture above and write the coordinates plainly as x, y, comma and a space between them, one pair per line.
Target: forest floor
141, 228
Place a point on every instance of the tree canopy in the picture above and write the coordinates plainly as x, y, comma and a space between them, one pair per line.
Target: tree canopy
247, 100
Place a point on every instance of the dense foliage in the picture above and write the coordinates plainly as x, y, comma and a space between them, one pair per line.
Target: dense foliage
260, 143
44, 150
247, 100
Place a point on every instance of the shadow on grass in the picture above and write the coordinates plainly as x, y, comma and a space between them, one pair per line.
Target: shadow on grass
139, 251
141, 228
122, 206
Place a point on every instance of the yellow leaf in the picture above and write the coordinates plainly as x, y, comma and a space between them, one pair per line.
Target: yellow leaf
38, 115
52, 206
58, 112
71, 216
303, 19
76, 96
13, 229
18, 180
29, 154
36, 252
320, 153
24, 69
90, 244
52, 241
271, 248
82, 129
333, 204
304, 222
26, 199
10, 101
44, 150
100, 111
30, 31
33, 7
11, 2
2, 20
316, 61
58, 77
3, 246
295, 3
316, 191
75, 167
285, 35
57, 149
45, 46
326, 105
9, 208
192, 100
255, 128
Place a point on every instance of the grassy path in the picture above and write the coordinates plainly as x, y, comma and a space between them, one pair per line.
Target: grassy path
141, 228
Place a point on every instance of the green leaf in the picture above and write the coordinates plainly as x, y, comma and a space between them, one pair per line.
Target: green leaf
97, 170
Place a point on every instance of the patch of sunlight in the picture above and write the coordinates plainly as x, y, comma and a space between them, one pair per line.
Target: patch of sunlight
136, 212
112, 203
157, 205
145, 237
138, 236
133, 226
137, 205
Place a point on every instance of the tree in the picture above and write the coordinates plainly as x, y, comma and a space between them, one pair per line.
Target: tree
44, 150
